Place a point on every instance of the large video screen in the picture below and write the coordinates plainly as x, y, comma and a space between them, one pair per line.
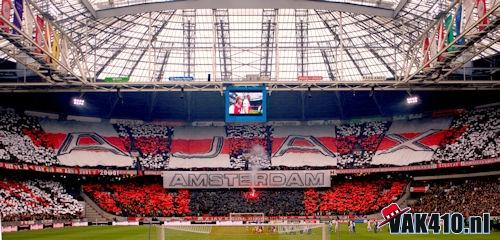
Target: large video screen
245, 104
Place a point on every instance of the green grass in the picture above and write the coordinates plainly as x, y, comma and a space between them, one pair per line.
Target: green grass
239, 233
90, 233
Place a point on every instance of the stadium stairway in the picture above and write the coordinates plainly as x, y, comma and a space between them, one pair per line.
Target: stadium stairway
95, 214
403, 200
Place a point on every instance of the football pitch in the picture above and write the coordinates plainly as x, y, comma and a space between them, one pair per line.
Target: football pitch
144, 232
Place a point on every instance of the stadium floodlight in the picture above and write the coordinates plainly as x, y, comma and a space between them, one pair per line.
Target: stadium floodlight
78, 101
412, 100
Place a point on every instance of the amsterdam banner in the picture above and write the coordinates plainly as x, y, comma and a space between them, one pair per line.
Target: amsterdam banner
246, 179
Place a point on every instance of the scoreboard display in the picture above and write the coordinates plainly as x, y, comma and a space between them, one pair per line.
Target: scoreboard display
246, 104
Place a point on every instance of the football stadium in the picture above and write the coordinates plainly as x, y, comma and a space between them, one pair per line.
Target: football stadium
249, 119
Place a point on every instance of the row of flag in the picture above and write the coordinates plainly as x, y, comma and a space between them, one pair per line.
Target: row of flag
453, 24
23, 19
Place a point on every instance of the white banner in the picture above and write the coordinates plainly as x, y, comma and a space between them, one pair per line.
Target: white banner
408, 142
246, 179
87, 143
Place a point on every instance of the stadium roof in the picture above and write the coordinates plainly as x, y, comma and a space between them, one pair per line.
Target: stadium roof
287, 45
106, 8
347, 40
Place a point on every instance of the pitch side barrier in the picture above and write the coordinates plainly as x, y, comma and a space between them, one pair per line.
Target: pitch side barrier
41, 224
118, 172
53, 224
176, 221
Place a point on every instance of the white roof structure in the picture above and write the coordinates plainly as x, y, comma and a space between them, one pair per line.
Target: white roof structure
152, 40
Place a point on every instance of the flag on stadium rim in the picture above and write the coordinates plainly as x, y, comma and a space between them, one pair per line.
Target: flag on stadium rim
481, 11
28, 21
18, 15
47, 39
467, 16
448, 23
433, 49
196, 147
6, 7
55, 46
296, 146
39, 27
441, 40
458, 24
46, 35
63, 48
425, 51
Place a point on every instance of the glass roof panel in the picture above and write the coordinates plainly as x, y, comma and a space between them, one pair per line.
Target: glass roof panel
292, 42
108, 4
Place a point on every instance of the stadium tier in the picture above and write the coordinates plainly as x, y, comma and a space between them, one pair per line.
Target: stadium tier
468, 136
123, 198
37, 200
469, 196
40, 199
358, 197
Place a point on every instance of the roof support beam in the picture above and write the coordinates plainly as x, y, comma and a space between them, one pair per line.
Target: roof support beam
330, 29
363, 70
267, 40
362, 23
166, 56
328, 63
375, 53
89, 7
221, 23
245, 4
398, 8
302, 40
189, 43
153, 37
372, 51
111, 28
136, 62
115, 54
167, 50
337, 85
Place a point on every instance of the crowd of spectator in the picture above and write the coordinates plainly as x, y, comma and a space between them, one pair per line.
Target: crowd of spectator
345, 197
473, 135
360, 196
135, 200
468, 196
250, 146
37, 200
271, 202
23, 140
358, 142
311, 201
150, 141
46, 199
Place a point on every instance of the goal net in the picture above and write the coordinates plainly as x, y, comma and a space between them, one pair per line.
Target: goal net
302, 231
247, 217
